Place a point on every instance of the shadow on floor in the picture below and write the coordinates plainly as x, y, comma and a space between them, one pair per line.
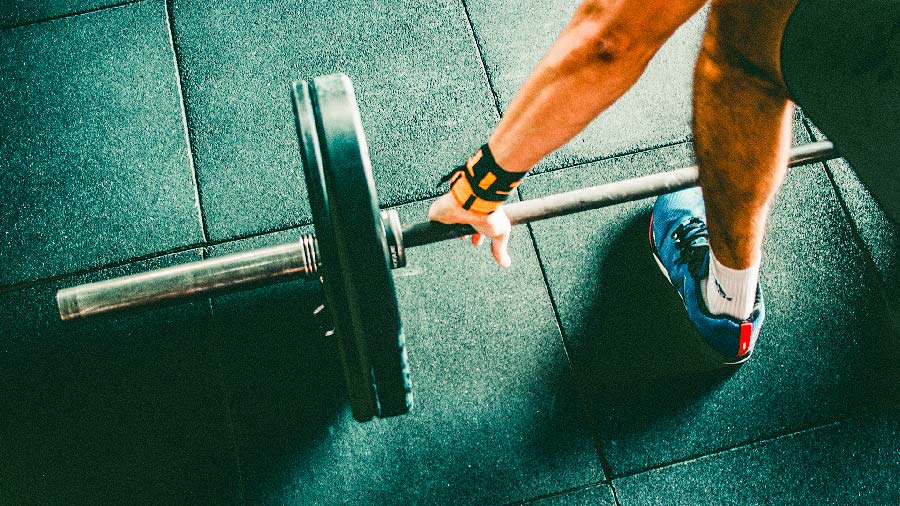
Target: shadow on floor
877, 381
560, 437
114, 409
638, 356
283, 377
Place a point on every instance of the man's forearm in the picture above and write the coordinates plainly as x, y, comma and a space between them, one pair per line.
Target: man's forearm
596, 59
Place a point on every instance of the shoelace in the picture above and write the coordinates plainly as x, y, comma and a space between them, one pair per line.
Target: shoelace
691, 239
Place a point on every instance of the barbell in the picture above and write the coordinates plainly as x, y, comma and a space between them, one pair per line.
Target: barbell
354, 248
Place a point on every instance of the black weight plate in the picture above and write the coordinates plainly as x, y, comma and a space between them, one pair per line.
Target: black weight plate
359, 236
357, 371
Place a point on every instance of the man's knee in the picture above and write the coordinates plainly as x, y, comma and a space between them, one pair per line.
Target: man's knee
720, 66
744, 38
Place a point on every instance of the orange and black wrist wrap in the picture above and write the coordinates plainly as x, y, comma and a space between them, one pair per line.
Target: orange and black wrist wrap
480, 185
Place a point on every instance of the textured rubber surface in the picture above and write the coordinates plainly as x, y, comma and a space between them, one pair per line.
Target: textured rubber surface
822, 353
841, 62
123, 410
854, 462
21, 12
415, 69
94, 161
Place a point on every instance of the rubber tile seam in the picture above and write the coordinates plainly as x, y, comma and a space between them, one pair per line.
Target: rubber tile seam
481, 61
198, 193
71, 14
558, 493
777, 436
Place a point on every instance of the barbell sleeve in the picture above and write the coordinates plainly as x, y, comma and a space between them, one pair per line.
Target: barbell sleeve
595, 197
258, 267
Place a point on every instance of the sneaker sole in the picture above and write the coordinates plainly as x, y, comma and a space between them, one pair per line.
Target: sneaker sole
710, 353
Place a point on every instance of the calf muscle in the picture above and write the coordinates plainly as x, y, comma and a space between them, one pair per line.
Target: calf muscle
742, 125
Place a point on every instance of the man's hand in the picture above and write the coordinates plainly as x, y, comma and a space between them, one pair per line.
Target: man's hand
494, 226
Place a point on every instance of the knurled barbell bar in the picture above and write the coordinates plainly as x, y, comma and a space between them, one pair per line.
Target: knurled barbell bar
355, 247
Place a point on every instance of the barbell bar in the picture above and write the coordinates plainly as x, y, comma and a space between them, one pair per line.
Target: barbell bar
299, 259
355, 247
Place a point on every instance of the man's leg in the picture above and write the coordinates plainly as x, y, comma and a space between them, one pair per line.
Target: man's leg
709, 243
742, 132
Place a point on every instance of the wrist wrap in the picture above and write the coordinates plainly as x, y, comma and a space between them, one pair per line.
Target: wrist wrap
480, 185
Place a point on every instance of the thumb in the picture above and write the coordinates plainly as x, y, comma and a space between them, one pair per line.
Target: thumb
499, 250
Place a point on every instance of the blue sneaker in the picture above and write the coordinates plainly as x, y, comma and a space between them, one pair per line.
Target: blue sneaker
678, 236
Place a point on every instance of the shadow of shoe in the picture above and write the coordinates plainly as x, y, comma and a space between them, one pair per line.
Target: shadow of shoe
640, 357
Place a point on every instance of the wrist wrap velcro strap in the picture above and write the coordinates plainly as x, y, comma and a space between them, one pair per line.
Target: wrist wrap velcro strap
481, 185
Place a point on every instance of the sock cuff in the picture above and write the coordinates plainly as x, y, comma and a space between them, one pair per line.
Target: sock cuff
731, 291
728, 271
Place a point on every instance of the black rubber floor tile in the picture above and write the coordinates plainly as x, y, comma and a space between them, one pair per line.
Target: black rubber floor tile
880, 235
515, 35
94, 163
600, 495
284, 380
495, 416
823, 353
423, 97
112, 410
846, 463
20, 12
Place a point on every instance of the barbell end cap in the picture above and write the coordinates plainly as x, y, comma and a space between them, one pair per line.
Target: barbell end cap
67, 303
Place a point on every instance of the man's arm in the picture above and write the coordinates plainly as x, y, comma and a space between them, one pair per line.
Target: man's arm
597, 58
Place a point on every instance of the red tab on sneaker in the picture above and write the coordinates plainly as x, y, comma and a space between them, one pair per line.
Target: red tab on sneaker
746, 330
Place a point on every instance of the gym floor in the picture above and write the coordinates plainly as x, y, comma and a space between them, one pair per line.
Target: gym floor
138, 134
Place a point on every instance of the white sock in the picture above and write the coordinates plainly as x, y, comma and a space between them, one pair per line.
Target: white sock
729, 291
